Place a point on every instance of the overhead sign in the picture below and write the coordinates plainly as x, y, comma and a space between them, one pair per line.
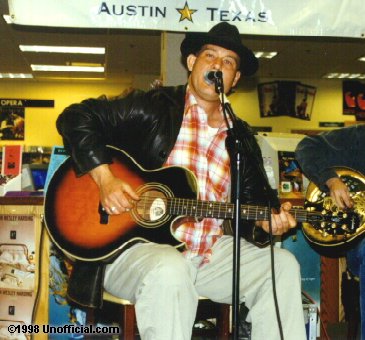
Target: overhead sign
331, 124
12, 102
342, 18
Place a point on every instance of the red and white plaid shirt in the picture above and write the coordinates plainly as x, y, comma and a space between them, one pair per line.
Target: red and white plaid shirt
207, 157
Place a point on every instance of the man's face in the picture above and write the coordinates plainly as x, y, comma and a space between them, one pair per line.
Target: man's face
212, 58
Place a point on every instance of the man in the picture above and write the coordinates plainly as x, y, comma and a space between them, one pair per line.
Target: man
184, 126
317, 156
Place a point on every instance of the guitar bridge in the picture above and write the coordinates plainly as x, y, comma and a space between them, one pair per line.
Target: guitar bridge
104, 216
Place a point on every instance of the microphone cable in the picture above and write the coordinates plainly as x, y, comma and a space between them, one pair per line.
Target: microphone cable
273, 278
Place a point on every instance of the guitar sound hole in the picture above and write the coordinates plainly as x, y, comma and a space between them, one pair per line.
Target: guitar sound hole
151, 209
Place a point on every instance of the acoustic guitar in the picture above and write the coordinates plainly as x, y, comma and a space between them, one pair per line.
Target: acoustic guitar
82, 230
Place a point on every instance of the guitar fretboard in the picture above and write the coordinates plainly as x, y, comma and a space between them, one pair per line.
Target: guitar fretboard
196, 208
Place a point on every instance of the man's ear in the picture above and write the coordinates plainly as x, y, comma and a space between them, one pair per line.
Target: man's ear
190, 61
236, 78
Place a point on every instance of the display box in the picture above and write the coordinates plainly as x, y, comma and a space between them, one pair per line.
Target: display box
311, 320
13, 184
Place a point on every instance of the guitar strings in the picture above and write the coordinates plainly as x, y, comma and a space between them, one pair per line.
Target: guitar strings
220, 209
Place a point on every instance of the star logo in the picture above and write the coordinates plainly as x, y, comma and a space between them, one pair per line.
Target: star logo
186, 12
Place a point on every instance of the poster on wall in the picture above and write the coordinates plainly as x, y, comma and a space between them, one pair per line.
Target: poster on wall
304, 100
12, 123
12, 117
277, 98
268, 99
353, 98
286, 98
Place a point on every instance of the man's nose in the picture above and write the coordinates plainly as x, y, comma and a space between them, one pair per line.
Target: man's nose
217, 65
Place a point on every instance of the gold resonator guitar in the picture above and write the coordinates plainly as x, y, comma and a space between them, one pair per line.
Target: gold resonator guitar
346, 225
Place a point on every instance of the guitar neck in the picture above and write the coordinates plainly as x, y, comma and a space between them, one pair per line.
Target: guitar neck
260, 213
197, 208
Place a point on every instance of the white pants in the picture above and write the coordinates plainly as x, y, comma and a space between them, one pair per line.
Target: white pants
165, 288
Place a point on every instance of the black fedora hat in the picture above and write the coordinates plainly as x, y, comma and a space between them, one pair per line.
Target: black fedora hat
224, 35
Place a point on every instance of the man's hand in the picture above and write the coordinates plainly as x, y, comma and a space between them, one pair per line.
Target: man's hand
116, 196
281, 222
340, 193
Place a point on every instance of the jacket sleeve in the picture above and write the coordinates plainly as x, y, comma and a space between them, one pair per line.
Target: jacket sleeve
318, 155
89, 126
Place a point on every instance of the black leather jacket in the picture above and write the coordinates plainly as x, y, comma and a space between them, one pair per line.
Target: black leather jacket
146, 126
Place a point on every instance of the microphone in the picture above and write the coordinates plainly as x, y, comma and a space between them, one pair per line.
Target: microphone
213, 76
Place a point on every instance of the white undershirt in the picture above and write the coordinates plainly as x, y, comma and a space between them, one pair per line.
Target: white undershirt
212, 132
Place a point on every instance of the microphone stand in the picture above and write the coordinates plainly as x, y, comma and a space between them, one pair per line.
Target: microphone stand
235, 148
235, 151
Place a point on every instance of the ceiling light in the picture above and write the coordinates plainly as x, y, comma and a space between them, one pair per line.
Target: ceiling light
361, 59
60, 68
71, 78
16, 75
62, 49
354, 75
7, 18
76, 63
266, 55
344, 75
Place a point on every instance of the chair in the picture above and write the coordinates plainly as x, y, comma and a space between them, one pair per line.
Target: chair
207, 310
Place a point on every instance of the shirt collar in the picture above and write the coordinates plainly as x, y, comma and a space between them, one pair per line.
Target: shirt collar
190, 101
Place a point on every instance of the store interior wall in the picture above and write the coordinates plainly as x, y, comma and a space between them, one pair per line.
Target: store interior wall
40, 122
